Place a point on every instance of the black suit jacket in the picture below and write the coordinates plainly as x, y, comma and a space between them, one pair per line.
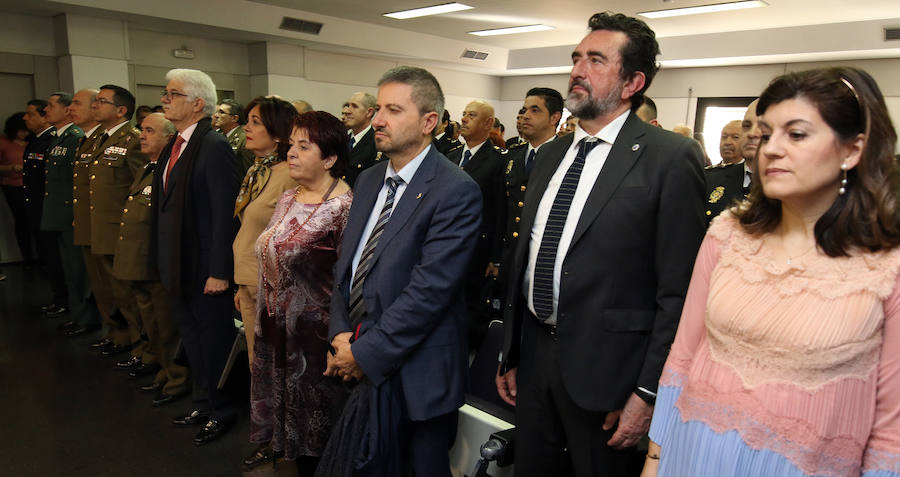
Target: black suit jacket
194, 220
445, 144
486, 168
724, 188
362, 156
625, 275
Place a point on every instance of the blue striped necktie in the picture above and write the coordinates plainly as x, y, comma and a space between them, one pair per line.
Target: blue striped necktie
542, 293
365, 260
466, 157
529, 162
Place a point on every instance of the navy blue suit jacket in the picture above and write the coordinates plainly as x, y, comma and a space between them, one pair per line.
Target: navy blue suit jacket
413, 291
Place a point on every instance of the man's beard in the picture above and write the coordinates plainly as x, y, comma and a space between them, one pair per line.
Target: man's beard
587, 108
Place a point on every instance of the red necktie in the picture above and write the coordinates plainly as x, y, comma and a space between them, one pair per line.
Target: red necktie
173, 158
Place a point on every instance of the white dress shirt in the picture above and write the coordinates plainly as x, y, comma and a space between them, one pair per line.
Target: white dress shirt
467, 148
186, 135
406, 173
358, 137
593, 164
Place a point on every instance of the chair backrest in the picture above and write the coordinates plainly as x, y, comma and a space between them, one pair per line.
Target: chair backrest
482, 386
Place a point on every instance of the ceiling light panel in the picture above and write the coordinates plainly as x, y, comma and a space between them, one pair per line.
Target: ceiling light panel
511, 30
425, 11
719, 7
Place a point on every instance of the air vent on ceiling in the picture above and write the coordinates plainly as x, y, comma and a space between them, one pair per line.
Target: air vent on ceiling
475, 55
892, 34
302, 26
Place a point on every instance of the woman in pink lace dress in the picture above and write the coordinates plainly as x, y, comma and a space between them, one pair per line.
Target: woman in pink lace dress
293, 405
787, 357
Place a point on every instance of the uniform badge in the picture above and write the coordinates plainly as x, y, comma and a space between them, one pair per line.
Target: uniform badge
509, 166
378, 156
716, 194
635, 147
147, 190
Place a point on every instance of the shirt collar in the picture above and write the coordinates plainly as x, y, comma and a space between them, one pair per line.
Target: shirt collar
115, 128
188, 132
608, 134
439, 136
45, 130
60, 131
474, 149
358, 137
409, 170
233, 131
538, 147
88, 133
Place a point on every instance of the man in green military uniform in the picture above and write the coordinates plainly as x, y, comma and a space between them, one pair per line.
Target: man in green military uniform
56, 216
116, 163
33, 169
228, 119
133, 266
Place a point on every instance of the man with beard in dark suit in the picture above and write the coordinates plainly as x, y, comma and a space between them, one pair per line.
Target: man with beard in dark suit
195, 184
613, 219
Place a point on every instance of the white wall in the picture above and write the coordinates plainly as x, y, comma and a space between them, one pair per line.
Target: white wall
676, 90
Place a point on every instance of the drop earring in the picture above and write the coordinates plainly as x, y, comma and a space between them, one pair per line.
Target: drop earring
843, 189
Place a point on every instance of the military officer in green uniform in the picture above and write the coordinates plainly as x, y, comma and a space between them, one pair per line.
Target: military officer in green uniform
115, 164
33, 181
133, 266
228, 120
56, 217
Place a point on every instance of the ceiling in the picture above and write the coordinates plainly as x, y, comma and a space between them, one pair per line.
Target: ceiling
569, 17
786, 30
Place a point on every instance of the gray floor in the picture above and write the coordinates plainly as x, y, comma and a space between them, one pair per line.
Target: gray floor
64, 411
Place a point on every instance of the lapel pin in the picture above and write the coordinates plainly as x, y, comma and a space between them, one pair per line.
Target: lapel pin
635, 147
419, 196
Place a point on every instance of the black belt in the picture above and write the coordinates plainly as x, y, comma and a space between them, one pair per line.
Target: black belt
548, 327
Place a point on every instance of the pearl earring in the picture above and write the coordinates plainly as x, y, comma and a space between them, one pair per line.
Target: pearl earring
843, 189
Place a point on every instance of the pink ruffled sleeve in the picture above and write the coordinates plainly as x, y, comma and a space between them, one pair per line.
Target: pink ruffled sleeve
882, 456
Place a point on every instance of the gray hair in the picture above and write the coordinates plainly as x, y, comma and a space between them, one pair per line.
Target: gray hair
197, 84
426, 91
64, 98
368, 100
167, 126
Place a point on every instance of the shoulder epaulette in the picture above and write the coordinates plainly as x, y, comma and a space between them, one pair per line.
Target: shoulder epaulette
516, 146
500, 149
458, 146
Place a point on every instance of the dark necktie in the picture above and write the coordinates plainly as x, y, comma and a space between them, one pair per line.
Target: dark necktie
465, 160
748, 179
542, 282
365, 260
529, 162
173, 158
352, 142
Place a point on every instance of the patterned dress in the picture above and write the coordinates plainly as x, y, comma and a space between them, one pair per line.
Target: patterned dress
783, 369
292, 404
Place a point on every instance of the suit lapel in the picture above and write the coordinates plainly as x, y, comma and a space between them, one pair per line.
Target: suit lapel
623, 155
114, 138
478, 159
411, 199
364, 196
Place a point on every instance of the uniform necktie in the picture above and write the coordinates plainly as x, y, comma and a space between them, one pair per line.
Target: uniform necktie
542, 294
173, 158
748, 179
529, 163
352, 142
466, 157
365, 260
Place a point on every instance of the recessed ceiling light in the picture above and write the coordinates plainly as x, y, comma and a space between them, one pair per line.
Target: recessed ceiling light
719, 7
425, 11
511, 30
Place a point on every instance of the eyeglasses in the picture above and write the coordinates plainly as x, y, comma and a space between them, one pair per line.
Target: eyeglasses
104, 101
171, 94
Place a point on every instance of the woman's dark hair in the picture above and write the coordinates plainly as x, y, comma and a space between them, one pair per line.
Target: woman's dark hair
867, 216
278, 118
330, 134
14, 124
